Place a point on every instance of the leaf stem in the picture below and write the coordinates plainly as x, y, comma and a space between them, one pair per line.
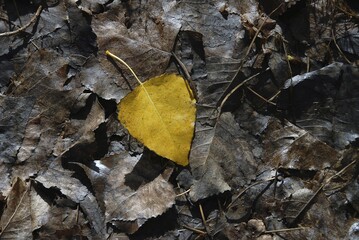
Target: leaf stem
124, 63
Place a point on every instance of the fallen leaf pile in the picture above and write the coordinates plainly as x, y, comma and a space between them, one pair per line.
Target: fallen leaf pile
268, 150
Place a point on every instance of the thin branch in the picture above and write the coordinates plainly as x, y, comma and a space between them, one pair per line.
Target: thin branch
194, 230
340, 51
187, 76
247, 188
284, 230
348, 13
260, 96
17, 11
183, 193
33, 19
238, 86
274, 96
204, 220
291, 89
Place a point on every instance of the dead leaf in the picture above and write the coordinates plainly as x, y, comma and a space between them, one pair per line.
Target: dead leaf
73, 192
125, 29
15, 112
220, 159
325, 102
16, 219
291, 147
123, 204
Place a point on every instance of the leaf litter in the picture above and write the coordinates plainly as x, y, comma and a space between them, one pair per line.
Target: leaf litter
278, 159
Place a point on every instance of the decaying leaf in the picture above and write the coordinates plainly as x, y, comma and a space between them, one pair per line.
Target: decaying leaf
14, 112
128, 206
290, 147
221, 159
73, 193
325, 102
16, 218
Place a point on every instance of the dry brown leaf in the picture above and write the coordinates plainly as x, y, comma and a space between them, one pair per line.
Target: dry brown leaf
220, 160
16, 222
124, 203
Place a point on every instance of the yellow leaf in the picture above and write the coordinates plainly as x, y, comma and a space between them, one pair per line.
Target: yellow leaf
161, 114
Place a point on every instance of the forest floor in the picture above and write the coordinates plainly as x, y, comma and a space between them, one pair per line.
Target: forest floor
276, 140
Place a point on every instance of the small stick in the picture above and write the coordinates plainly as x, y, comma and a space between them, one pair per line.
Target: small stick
260, 96
348, 13
183, 193
77, 213
244, 190
223, 98
340, 51
302, 210
194, 230
187, 75
274, 96
238, 86
283, 230
291, 89
33, 19
204, 220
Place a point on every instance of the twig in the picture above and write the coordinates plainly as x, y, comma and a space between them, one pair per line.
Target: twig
284, 230
204, 220
224, 98
301, 212
260, 96
274, 96
77, 213
183, 193
289, 69
33, 19
194, 230
286, 57
348, 13
244, 190
291, 88
17, 11
187, 75
340, 51
238, 86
